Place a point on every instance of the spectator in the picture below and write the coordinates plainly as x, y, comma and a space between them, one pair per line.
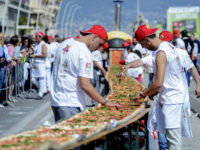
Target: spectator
17, 57
39, 73
26, 50
4, 59
189, 46
196, 50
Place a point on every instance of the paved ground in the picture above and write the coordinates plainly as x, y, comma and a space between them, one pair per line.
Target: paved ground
31, 114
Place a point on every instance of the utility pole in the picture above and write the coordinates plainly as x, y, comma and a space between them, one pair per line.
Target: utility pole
18, 16
117, 14
138, 8
4, 16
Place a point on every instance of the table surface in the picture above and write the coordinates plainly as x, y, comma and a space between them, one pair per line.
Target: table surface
103, 133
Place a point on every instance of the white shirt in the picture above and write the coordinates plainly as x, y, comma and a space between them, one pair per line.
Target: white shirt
179, 43
97, 56
48, 58
138, 46
148, 62
38, 51
169, 116
172, 90
73, 59
39, 68
125, 53
133, 72
53, 47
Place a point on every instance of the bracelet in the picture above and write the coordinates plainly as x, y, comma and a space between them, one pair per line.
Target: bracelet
142, 95
104, 103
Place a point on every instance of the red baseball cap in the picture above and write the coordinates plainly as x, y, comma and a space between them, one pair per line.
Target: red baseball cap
129, 42
50, 37
40, 34
77, 37
142, 32
125, 44
176, 33
106, 45
166, 36
98, 30
122, 61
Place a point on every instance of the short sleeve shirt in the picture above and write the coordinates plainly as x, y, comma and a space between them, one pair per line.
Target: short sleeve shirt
97, 56
133, 72
180, 43
72, 60
185, 59
148, 62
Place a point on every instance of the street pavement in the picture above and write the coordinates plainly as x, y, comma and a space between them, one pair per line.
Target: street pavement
31, 114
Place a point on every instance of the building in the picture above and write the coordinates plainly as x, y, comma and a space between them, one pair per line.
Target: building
28, 16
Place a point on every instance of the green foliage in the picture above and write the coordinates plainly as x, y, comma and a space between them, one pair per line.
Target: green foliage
23, 20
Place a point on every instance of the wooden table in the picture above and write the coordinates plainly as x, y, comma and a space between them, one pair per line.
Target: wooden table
106, 132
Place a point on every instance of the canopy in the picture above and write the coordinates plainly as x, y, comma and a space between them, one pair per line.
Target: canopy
118, 35
116, 38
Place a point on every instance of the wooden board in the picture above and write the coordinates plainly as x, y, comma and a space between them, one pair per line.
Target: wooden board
136, 118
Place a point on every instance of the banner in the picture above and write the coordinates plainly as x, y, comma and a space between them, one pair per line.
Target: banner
184, 18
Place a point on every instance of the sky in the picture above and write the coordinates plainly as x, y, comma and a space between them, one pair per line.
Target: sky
76, 15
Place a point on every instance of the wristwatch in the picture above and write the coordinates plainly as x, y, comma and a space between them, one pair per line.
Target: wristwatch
105, 101
142, 95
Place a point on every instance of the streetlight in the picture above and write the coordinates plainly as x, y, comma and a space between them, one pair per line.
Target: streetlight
62, 6
72, 20
117, 14
64, 16
67, 18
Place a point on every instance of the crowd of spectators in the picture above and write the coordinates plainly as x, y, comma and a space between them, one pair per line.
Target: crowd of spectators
17, 62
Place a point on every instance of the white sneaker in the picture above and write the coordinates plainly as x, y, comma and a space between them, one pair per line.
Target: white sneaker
1, 106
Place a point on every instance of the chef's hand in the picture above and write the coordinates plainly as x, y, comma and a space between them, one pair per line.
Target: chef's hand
125, 68
139, 95
197, 92
110, 104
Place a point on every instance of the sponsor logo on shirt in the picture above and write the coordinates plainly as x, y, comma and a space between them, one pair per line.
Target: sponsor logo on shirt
88, 65
66, 49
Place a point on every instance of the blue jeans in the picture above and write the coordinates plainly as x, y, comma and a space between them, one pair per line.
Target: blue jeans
95, 82
64, 112
162, 141
2, 77
188, 75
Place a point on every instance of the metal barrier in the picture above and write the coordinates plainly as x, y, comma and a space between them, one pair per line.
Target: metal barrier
13, 87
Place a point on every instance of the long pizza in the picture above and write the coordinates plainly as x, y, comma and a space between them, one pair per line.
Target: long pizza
88, 123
